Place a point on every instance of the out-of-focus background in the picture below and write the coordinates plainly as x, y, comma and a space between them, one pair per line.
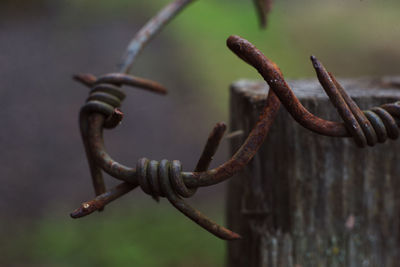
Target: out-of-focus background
44, 173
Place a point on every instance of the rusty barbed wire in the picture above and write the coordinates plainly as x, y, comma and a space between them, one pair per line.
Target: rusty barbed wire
166, 178
367, 128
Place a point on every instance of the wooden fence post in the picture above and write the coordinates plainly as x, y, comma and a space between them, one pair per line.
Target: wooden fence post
308, 200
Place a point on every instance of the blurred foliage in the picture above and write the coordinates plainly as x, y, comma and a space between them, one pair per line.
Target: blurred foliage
121, 238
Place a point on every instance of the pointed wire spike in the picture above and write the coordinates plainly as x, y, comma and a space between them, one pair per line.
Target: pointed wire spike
263, 8
234, 134
235, 236
85, 78
362, 119
316, 63
211, 147
130, 80
85, 209
114, 119
352, 116
102, 200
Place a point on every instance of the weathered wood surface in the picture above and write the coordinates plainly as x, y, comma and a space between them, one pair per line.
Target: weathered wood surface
309, 200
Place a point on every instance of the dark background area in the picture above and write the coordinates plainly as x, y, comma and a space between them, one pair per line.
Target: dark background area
44, 173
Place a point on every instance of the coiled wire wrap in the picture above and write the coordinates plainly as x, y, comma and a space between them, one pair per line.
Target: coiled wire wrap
154, 176
164, 179
105, 98
369, 127
106, 94
384, 123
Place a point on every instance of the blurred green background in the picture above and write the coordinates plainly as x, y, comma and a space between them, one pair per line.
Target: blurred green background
44, 170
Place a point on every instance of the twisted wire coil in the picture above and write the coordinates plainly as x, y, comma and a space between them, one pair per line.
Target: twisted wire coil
105, 98
161, 178
106, 95
385, 124
369, 127
165, 179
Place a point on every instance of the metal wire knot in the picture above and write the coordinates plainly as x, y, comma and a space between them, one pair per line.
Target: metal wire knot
165, 179
162, 178
384, 124
108, 96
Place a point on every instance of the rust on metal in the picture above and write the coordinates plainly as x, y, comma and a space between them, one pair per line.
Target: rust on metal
384, 119
166, 178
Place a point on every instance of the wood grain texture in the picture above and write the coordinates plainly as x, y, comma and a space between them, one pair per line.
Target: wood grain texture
309, 200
